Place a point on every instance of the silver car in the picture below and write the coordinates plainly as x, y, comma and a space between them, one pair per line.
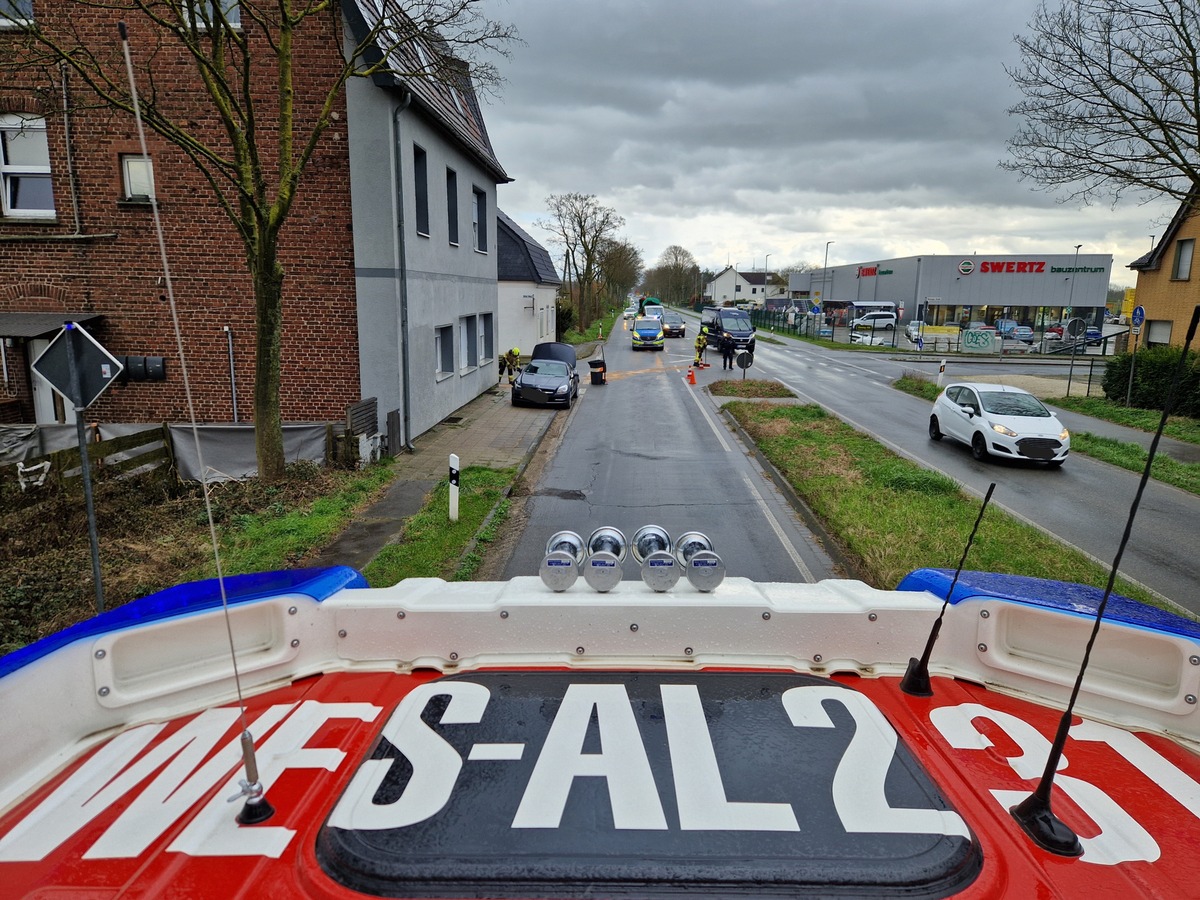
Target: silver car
1001, 421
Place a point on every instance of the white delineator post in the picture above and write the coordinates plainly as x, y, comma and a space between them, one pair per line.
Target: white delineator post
941, 372
453, 487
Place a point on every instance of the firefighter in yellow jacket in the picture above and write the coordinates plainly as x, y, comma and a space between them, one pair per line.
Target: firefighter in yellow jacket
701, 343
509, 362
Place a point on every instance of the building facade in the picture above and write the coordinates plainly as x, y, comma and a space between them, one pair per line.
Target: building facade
389, 250
1167, 282
1038, 290
730, 287
528, 288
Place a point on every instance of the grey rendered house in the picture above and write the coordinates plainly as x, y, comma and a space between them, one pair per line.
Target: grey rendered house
423, 178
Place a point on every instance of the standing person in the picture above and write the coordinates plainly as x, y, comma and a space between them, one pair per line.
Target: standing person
701, 343
727, 348
509, 362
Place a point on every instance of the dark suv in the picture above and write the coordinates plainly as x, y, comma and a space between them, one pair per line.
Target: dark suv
729, 320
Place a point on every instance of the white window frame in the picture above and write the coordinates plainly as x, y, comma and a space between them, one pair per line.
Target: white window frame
132, 179
232, 12
486, 340
1185, 253
443, 351
20, 16
16, 123
479, 229
468, 337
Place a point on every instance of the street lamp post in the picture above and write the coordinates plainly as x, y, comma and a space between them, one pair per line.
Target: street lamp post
825, 280
766, 278
1071, 304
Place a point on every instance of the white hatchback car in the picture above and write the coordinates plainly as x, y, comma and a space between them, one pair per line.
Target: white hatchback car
998, 420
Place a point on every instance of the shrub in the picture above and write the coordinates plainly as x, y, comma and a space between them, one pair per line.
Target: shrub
1153, 371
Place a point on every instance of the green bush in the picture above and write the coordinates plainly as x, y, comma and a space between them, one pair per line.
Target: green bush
564, 318
1153, 371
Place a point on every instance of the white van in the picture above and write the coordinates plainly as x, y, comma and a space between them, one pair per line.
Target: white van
874, 320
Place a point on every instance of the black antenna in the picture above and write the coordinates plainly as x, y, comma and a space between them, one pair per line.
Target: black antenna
256, 808
1033, 813
916, 679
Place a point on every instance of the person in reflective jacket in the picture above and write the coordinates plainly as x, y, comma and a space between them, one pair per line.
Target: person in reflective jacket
509, 362
701, 343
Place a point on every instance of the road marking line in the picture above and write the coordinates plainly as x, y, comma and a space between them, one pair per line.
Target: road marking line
805, 573
711, 422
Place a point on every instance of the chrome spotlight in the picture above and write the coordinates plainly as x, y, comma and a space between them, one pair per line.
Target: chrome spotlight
564, 555
606, 552
704, 568
652, 548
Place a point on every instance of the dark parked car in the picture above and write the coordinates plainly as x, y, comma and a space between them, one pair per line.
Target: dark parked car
731, 321
550, 378
673, 324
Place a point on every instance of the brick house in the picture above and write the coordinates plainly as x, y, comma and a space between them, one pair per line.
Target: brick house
390, 288
1167, 279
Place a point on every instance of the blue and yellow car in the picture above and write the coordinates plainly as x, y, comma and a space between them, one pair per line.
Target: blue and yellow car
647, 333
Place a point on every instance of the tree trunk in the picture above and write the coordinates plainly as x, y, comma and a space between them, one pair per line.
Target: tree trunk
268, 424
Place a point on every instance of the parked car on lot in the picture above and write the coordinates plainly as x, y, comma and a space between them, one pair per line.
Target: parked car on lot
913, 330
647, 333
731, 321
550, 378
874, 320
1005, 327
673, 324
876, 338
1021, 333
999, 420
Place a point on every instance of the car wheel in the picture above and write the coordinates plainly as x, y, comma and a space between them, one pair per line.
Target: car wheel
889, 327
515, 401
935, 431
979, 448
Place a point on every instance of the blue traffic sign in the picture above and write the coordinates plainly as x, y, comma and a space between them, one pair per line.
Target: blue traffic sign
1139, 315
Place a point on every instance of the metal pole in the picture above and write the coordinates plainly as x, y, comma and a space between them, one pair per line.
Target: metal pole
232, 376
73, 374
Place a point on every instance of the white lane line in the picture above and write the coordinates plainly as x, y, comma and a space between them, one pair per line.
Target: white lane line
716, 429
805, 573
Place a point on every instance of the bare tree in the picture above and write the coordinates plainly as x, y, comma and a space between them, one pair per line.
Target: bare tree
583, 228
1111, 98
246, 70
620, 268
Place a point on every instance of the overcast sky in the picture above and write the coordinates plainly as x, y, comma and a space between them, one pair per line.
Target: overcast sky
743, 128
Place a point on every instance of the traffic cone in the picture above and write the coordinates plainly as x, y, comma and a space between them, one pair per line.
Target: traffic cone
691, 376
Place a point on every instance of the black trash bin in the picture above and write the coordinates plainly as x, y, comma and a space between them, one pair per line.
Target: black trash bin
599, 371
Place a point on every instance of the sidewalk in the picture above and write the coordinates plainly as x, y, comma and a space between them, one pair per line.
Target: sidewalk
488, 431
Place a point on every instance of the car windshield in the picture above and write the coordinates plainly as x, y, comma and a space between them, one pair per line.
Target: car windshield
673, 317
649, 323
738, 321
546, 367
1005, 403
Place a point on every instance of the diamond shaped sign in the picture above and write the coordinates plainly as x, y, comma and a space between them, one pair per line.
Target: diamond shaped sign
95, 368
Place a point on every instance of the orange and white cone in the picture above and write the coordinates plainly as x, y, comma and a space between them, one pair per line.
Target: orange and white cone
691, 375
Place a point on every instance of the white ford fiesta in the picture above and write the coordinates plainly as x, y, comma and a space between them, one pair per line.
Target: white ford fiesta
998, 420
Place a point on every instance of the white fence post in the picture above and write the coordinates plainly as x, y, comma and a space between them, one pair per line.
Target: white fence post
453, 487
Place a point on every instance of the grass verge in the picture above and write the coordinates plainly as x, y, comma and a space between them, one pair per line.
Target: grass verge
1125, 454
893, 515
749, 387
431, 546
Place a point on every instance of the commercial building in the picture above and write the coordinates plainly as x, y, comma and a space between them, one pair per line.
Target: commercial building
1035, 289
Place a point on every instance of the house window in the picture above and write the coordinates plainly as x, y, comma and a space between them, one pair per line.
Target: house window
443, 349
421, 191
469, 340
15, 13
452, 205
1182, 270
137, 173
479, 220
487, 338
25, 167
206, 13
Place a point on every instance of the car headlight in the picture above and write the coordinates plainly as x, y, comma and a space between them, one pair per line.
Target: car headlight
658, 336
1064, 435
1004, 430
562, 388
